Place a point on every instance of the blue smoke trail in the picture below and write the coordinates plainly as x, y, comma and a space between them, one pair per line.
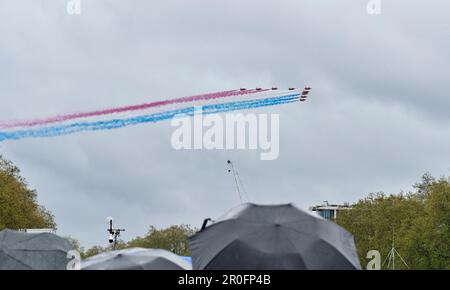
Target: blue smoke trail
151, 118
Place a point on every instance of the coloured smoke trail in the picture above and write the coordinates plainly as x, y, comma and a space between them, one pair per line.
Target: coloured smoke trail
210, 96
233, 100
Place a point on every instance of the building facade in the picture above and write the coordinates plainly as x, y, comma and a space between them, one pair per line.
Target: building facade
329, 211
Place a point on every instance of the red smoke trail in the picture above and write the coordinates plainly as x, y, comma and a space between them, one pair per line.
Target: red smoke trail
62, 118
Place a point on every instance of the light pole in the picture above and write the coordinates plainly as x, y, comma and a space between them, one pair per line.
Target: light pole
113, 233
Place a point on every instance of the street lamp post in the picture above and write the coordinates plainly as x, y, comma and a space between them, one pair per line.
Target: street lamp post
113, 233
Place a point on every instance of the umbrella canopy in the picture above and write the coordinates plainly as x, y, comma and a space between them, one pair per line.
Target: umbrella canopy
40, 251
272, 237
136, 259
187, 259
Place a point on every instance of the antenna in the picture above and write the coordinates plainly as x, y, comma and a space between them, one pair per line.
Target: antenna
391, 255
235, 179
242, 185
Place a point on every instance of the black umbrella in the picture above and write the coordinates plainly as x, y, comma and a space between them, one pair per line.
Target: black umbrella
27, 251
272, 237
136, 259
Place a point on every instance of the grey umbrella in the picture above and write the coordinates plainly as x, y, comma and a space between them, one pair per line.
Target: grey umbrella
26, 251
136, 259
272, 237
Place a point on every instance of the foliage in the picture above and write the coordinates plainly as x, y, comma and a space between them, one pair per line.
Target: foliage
92, 252
173, 239
418, 221
75, 244
18, 204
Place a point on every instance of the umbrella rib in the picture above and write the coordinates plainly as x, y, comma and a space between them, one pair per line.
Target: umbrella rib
330, 244
30, 238
107, 262
292, 243
38, 250
132, 258
27, 238
295, 230
289, 240
219, 252
110, 262
17, 260
227, 245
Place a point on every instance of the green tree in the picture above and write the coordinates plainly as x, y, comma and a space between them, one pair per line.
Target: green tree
18, 205
174, 239
92, 252
418, 221
429, 236
75, 244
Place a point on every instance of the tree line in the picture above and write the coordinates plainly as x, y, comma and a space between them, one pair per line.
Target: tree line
19, 208
416, 222
173, 238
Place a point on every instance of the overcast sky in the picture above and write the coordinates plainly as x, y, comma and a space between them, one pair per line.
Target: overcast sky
378, 117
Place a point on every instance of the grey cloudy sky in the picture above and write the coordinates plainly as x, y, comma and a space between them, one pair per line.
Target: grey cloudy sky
378, 117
